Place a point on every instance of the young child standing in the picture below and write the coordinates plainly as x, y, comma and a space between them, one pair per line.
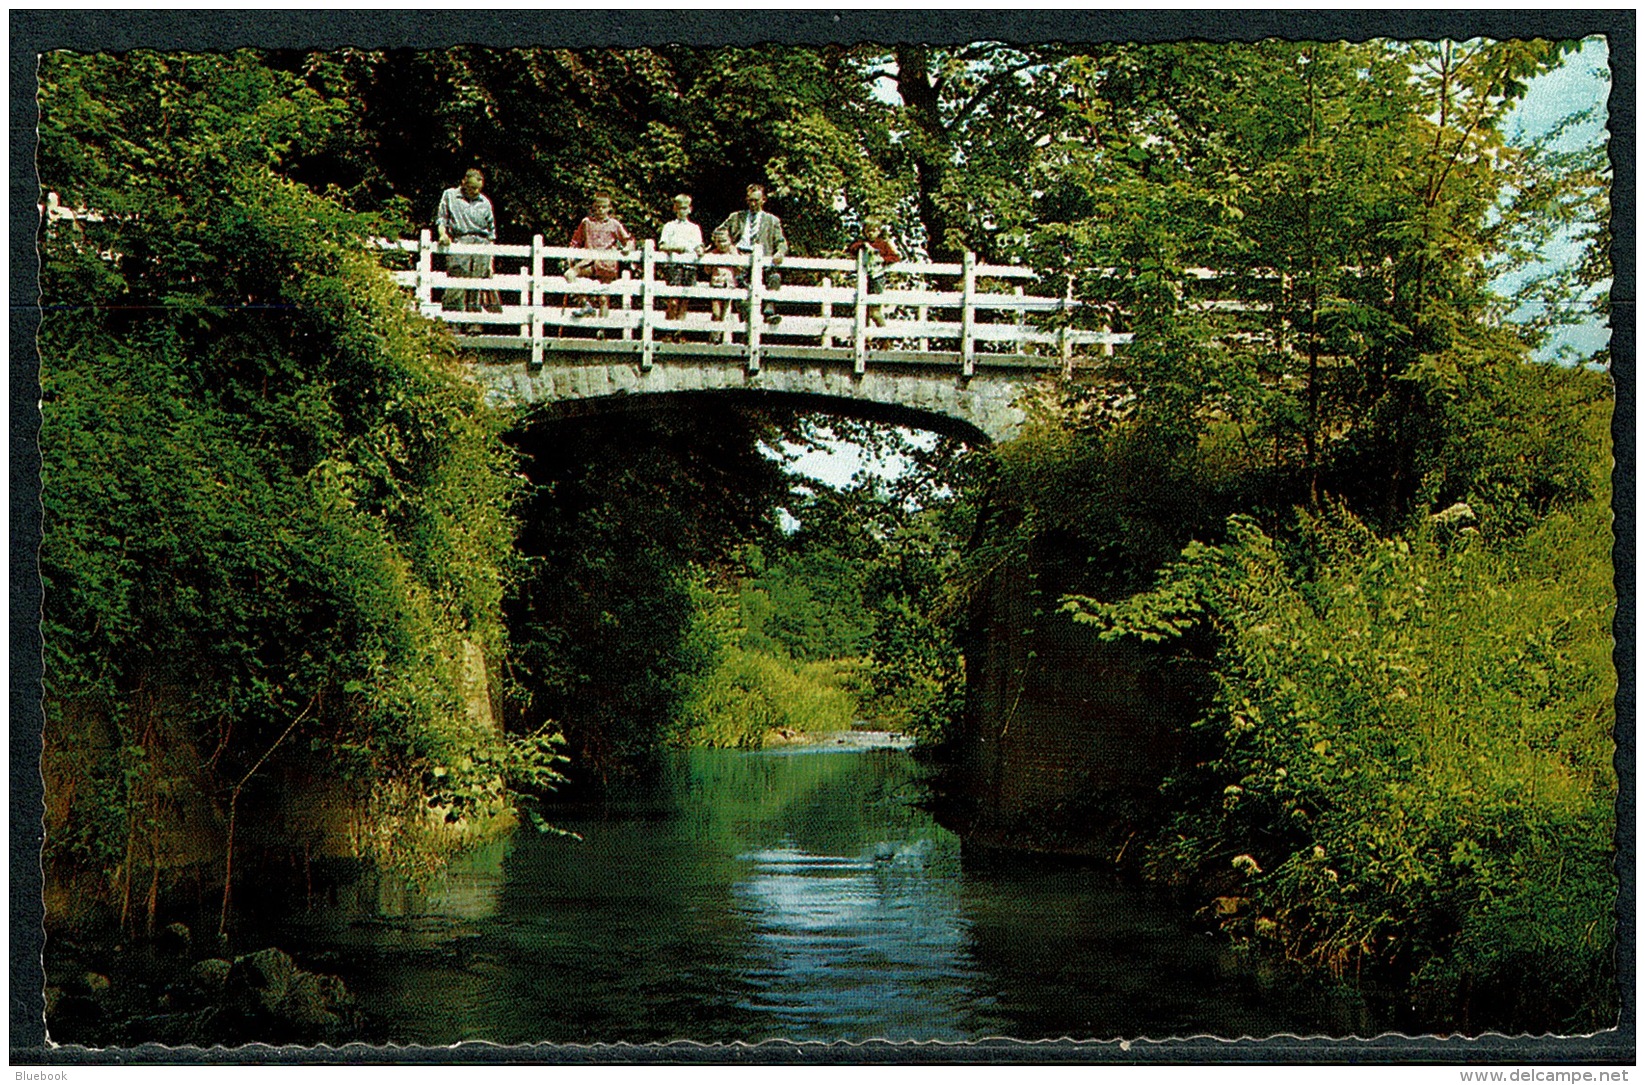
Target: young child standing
680, 238
723, 275
881, 252
600, 230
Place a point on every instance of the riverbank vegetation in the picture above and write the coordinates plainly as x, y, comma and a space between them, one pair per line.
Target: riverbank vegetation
620, 516
839, 620
1407, 765
276, 518
1384, 529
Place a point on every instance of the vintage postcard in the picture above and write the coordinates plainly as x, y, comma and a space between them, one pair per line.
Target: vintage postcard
919, 537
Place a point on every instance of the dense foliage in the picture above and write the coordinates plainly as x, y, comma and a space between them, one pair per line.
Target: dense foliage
846, 618
551, 126
1409, 757
276, 527
621, 513
750, 698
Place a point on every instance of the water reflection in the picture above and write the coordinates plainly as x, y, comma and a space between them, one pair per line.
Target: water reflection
859, 948
794, 894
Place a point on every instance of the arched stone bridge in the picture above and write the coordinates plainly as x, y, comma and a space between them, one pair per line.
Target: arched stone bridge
956, 349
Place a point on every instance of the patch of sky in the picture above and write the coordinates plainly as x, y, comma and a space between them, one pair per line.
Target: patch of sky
1581, 81
1581, 84
884, 85
884, 88
839, 463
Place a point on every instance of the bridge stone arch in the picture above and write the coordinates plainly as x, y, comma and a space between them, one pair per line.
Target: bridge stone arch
982, 408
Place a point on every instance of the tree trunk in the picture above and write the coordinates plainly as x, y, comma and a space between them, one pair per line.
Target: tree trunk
932, 152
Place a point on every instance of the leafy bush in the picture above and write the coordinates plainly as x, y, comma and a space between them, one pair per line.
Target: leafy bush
806, 604
1409, 759
751, 694
746, 695
276, 522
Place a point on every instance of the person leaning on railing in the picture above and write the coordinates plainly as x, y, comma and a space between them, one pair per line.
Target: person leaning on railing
757, 226
882, 251
721, 277
465, 216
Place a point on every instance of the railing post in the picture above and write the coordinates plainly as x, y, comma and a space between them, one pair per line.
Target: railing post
859, 316
648, 260
534, 312
1021, 346
1063, 344
923, 314
624, 274
756, 319
827, 313
528, 294
724, 329
968, 315
425, 269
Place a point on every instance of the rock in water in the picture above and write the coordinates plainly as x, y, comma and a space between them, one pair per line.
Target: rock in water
267, 998
176, 939
211, 975
305, 1006
258, 982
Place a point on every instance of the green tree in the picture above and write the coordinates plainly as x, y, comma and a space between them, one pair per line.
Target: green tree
896, 542
550, 126
1408, 765
973, 117
1350, 199
1392, 525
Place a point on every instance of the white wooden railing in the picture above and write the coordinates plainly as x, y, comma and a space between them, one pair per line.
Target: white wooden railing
980, 320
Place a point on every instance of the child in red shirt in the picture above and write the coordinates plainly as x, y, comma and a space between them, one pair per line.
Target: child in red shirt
598, 231
881, 251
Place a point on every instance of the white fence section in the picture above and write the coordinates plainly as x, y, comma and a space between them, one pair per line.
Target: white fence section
535, 305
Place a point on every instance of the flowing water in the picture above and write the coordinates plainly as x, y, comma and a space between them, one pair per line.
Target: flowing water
796, 893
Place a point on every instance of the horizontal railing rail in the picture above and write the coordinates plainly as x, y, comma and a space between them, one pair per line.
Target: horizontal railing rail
534, 304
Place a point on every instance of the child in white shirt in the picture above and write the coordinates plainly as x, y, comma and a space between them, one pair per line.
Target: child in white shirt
681, 238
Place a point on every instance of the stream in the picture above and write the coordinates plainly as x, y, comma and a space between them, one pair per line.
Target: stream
796, 893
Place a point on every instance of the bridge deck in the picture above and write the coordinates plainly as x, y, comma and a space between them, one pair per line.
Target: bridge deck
772, 348
983, 322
